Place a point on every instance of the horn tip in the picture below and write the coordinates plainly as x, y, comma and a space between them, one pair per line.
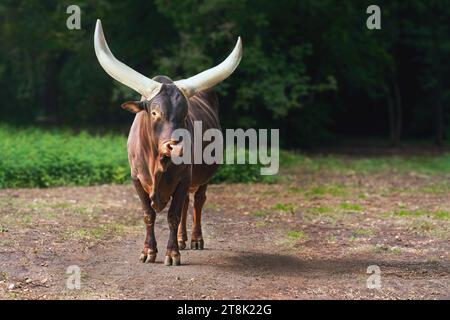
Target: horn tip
98, 33
239, 44
98, 25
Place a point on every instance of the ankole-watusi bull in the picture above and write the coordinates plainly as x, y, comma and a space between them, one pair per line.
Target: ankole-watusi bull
165, 106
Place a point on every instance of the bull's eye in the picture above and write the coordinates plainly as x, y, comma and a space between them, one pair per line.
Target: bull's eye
155, 113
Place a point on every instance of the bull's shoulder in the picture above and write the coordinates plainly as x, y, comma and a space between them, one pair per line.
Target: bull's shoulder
204, 107
204, 102
209, 96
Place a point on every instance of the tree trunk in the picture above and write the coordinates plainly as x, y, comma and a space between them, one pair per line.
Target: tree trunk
399, 112
50, 93
392, 122
399, 109
395, 113
439, 138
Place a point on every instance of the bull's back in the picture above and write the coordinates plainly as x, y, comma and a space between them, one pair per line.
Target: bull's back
204, 107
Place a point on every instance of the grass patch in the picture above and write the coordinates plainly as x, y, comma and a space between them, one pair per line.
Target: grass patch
260, 213
440, 214
362, 232
291, 238
212, 206
95, 233
350, 206
407, 213
321, 210
17, 220
287, 207
396, 250
429, 165
387, 249
296, 235
333, 190
260, 224
296, 190
61, 205
89, 234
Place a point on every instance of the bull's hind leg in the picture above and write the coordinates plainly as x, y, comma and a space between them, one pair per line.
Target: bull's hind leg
150, 250
199, 200
182, 231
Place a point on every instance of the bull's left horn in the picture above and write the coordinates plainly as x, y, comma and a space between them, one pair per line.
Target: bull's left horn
119, 71
209, 78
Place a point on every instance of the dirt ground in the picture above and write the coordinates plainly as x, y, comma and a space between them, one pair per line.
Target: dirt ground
311, 235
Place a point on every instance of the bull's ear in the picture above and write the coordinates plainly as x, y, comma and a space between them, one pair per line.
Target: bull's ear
134, 106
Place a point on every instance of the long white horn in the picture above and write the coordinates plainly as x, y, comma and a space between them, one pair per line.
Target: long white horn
209, 78
119, 71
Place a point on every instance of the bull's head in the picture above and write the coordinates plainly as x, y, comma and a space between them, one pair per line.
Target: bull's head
164, 101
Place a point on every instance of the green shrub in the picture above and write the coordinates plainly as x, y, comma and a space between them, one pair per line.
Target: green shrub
241, 172
33, 157
36, 158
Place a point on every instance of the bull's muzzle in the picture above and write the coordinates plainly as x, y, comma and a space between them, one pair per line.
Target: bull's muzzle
171, 148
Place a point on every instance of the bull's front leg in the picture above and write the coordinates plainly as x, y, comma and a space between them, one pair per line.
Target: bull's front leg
173, 218
150, 250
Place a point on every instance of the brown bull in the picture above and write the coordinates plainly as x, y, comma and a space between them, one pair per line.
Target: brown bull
165, 106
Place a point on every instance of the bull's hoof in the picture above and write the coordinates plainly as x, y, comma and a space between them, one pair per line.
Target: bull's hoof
174, 259
148, 256
181, 244
197, 244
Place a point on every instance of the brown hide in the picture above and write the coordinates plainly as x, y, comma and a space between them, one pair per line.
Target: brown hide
144, 158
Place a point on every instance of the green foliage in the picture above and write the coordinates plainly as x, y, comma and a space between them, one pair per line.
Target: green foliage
36, 158
430, 165
33, 157
241, 172
272, 84
310, 68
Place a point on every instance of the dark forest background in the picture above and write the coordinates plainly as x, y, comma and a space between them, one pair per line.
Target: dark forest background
310, 68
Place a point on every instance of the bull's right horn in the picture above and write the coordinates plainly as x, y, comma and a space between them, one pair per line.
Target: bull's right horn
121, 72
209, 78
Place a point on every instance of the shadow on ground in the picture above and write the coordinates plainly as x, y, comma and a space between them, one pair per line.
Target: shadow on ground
290, 266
